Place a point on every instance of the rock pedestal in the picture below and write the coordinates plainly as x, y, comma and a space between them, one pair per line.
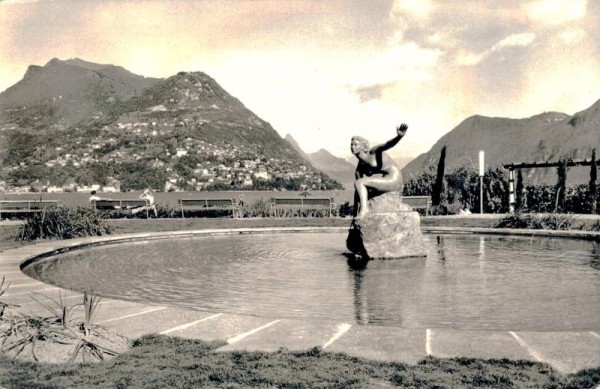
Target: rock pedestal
391, 229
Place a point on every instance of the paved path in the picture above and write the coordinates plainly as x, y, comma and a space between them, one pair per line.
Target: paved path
567, 352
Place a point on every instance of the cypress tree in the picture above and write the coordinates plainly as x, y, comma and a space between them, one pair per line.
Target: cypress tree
519, 190
438, 186
593, 186
561, 186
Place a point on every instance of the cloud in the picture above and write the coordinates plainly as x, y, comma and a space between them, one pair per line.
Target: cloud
19, 1
415, 8
371, 92
522, 39
572, 36
468, 58
326, 70
407, 62
554, 12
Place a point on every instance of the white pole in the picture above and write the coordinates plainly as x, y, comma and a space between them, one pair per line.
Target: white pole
511, 191
481, 173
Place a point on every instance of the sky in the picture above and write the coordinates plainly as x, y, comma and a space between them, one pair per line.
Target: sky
325, 70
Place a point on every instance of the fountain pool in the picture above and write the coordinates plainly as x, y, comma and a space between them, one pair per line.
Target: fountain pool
466, 281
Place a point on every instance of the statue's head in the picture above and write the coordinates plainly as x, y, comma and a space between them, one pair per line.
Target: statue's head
359, 144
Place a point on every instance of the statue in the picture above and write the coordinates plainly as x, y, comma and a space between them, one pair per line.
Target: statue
383, 226
376, 172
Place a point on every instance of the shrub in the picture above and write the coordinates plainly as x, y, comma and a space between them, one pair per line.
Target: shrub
259, 208
345, 209
446, 209
63, 223
519, 221
557, 222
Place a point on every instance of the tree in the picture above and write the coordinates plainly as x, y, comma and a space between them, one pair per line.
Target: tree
520, 200
593, 186
438, 186
561, 186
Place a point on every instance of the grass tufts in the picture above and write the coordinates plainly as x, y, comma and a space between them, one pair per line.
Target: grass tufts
519, 221
63, 223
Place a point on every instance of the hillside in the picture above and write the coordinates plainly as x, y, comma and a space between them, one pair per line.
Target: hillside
548, 136
104, 125
62, 93
336, 168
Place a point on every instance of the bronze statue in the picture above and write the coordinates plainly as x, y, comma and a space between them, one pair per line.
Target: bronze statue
376, 172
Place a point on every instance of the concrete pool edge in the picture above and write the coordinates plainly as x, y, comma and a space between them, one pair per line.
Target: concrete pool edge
80, 243
567, 351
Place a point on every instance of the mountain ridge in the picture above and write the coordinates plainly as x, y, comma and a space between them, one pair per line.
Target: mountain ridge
548, 136
78, 122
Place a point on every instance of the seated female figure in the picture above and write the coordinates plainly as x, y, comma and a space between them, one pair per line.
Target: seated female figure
376, 171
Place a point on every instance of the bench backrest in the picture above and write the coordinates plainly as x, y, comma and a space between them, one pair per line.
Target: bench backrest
27, 204
206, 202
417, 201
111, 204
308, 201
317, 201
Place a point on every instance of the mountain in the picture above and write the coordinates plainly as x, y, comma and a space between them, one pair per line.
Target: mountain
78, 122
62, 93
337, 168
195, 105
289, 139
549, 136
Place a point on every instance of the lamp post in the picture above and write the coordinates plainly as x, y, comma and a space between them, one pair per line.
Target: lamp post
481, 173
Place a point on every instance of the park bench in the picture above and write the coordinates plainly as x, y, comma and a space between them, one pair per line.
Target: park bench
209, 204
127, 205
25, 206
302, 203
418, 202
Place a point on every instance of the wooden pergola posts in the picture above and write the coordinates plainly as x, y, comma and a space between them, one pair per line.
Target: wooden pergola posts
527, 165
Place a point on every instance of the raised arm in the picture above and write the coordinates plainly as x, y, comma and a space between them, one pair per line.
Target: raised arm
400, 132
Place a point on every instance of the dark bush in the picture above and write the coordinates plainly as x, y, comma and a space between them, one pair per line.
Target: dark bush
519, 221
345, 210
63, 223
557, 222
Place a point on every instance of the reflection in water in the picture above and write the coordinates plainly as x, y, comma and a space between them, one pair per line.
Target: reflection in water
466, 281
387, 290
440, 248
361, 310
595, 259
481, 256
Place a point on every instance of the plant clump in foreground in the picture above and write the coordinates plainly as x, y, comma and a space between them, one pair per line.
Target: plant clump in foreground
63, 223
160, 362
58, 338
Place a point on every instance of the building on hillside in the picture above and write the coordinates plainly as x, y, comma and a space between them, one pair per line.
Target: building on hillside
88, 188
263, 174
110, 189
54, 189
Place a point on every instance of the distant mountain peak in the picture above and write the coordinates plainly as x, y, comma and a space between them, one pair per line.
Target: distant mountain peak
322, 152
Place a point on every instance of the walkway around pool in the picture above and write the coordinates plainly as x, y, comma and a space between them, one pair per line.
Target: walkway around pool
567, 352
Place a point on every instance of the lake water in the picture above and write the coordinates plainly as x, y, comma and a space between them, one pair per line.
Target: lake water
466, 281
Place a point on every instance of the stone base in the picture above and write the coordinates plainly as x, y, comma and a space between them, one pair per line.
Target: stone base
390, 230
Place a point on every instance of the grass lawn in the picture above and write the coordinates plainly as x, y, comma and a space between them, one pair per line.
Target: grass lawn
163, 362
166, 362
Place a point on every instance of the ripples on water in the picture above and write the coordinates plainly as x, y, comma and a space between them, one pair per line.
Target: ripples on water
466, 281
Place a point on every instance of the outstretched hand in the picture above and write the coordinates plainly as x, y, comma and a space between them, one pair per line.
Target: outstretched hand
401, 130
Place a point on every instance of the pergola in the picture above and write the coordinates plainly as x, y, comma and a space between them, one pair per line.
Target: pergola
527, 165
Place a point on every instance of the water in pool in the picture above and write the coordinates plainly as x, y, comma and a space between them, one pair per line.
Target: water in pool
466, 281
